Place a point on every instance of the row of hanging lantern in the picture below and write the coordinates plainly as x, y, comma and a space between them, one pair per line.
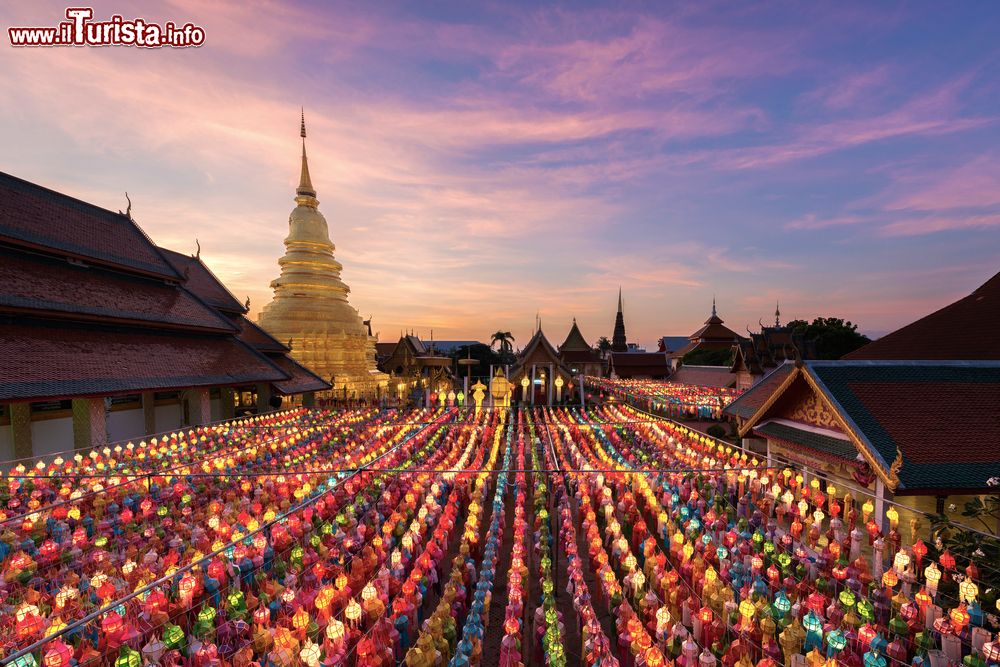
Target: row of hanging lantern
438, 640
231, 521
596, 648
672, 398
513, 643
768, 557
320, 538
130, 534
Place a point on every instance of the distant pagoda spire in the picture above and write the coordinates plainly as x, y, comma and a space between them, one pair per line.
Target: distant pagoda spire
777, 314
305, 188
618, 340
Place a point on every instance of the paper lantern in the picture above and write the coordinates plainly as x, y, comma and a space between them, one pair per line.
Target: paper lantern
57, 654
968, 591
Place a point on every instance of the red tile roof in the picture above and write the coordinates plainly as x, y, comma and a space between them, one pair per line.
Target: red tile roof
639, 364
750, 401
257, 338
923, 416
942, 416
52, 361
967, 329
301, 379
704, 376
580, 356
36, 217
200, 280
57, 288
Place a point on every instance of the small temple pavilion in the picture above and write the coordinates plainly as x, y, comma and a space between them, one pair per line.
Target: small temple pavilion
310, 307
578, 356
539, 376
106, 337
714, 335
765, 350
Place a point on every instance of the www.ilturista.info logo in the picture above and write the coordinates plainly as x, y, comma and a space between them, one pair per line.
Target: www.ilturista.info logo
79, 30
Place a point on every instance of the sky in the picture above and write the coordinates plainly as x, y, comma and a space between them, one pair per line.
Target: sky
481, 163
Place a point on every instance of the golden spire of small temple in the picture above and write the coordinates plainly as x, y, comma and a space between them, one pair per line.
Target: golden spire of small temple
305, 188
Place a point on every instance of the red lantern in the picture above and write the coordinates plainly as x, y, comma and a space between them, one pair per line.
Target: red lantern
947, 560
57, 655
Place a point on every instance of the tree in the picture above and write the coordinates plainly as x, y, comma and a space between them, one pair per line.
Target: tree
831, 337
504, 340
484, 354
701, 357
603, 345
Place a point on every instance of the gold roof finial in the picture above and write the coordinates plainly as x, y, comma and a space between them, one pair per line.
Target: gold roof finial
305, 188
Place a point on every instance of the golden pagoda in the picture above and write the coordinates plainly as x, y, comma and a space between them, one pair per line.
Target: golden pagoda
310, 307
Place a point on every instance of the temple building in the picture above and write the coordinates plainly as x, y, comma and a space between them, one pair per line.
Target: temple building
578, 356
106, 337
714, 335
762, 352
618, 341
539, 375
926, 429
310, 308
415, 367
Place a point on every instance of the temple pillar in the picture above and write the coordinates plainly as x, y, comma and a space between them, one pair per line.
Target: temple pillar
20, 429
89, 423
199, 407
263, 397
227, 402
532, 385
583, 394
149, 412
881, 495
549, 385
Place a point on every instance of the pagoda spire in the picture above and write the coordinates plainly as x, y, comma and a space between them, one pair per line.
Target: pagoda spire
618, 341
777, 314
305, 188
713, 306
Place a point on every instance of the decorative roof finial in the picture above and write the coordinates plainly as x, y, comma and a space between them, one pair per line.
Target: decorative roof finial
777, 314
305, 188
197, 253
713, 306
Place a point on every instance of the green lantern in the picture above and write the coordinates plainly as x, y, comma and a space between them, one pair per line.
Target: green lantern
129, 657
847, 598
866, 610
173, 636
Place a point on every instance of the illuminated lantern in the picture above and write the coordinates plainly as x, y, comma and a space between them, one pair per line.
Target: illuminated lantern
889, 579
959, 618
128, 658
893, 516
310, 654
947, 560
173, 636
262, 616
933, 575
919, 550
57, 654
300, 619
866, 634
113, 624
968, 591
335, 632
353, 612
